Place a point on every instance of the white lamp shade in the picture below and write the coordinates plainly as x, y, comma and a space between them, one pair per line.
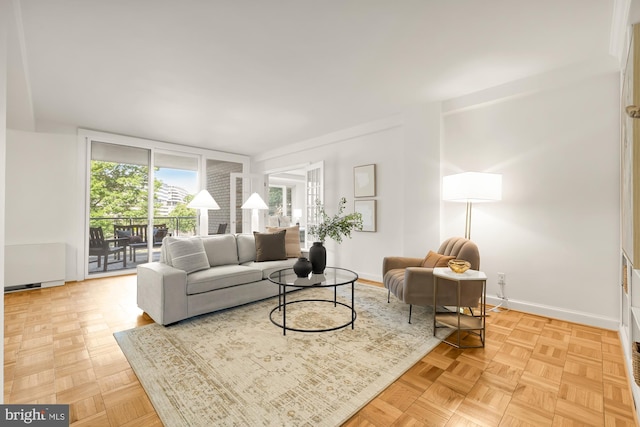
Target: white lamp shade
254, 202
203, 200
472, 187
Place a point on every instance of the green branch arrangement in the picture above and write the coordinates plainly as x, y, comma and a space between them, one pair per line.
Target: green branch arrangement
338, 226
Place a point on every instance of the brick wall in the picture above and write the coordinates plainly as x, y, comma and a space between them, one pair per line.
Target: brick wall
219, 186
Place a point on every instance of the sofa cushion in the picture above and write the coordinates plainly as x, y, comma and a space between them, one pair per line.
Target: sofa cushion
291, 240
246, 247
434, 259
188, 254
270, 246
221, 249
220, 277
269, 267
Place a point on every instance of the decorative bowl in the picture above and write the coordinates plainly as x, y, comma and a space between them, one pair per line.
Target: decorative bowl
459, 265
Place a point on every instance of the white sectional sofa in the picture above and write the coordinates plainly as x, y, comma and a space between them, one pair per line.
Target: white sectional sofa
233, 270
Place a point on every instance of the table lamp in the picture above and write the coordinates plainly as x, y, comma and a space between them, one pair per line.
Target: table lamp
255, 203
472, 187
297, 214
203, 201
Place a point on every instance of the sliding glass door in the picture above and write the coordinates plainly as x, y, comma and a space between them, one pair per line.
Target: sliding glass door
124, 228
118, 198
176, 179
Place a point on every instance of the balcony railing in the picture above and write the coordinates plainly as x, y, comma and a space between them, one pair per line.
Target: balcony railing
177, 225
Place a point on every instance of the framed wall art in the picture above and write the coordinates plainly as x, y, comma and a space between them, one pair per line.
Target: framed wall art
366, 208
364, 181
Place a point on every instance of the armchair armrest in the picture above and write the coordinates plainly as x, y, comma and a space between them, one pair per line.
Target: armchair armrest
394, 262
162, 292
418, 286
418, 289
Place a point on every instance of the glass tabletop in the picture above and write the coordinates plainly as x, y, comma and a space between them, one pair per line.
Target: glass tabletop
332, 276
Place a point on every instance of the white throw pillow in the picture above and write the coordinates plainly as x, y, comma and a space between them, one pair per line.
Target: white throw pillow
188, 254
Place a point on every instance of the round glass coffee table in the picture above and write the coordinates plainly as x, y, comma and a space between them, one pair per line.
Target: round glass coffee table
331, 278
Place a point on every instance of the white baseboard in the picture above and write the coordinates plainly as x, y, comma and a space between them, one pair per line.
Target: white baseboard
372, 277
559, 313
53, 283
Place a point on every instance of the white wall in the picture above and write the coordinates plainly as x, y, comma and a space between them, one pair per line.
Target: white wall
45, 195
556, 232
405, 150
43, 192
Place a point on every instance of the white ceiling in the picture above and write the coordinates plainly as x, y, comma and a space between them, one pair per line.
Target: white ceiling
248, 76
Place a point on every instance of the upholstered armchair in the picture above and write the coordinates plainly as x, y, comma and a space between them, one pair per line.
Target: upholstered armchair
411, 279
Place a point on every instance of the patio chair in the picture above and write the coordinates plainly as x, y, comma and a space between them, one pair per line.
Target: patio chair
101, 247
160, 231
136, 235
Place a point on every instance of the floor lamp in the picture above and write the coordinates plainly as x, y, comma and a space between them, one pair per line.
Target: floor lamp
472, 187
255, 203
203, 201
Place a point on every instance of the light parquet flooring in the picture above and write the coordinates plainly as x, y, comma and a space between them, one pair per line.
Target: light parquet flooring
59, 348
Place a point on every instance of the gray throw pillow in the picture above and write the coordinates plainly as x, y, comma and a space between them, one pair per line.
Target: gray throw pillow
270, 246
188, 254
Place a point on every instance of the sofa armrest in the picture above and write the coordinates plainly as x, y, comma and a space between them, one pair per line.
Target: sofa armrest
162, 292
394, 262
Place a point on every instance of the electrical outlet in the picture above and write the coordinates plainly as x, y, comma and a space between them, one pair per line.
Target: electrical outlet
502, 278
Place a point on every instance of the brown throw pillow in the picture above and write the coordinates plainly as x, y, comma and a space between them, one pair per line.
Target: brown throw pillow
270, 246
291, 240
434, 259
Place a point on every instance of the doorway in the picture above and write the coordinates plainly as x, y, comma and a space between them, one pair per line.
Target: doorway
293, 193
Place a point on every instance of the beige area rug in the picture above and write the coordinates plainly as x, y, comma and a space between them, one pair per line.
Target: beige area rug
236, 368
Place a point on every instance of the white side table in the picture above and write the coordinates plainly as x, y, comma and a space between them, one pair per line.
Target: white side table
472, 323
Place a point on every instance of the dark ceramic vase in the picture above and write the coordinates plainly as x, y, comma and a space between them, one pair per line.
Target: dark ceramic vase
318, 257
302, 267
